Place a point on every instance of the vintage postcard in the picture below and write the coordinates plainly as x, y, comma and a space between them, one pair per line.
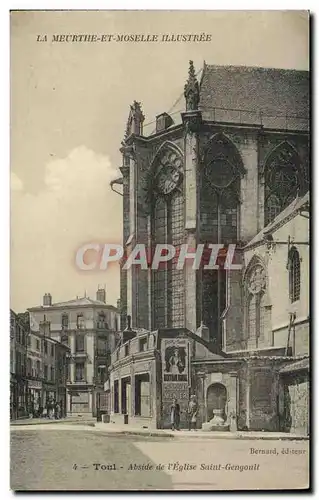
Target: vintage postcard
159, 323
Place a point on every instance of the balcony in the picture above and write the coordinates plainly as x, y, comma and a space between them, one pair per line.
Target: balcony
102, 353
77, 382
80, 354
76, 355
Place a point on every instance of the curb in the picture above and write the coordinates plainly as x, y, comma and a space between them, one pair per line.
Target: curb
47, 422
169, 435
203, 438
207, 436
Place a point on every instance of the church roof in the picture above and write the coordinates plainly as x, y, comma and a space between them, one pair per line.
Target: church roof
281, 218
273, 92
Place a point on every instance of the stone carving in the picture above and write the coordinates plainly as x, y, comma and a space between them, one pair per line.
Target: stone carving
257, 280
191, 89
135, 121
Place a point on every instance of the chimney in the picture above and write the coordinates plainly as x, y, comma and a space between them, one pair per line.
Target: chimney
47, 299
100, 294
163, 121
118, 304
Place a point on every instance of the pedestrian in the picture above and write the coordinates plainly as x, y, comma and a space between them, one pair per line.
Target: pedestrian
49, 408
192, 413
36, 409
175, 415
57, 411
61, 409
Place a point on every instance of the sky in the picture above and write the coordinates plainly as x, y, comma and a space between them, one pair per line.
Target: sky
69, 107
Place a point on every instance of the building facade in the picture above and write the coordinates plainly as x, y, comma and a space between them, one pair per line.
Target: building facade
88, 327
18, 364
234, 170
47, 372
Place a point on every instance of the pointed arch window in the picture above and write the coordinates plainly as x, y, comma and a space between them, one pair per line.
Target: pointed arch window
168, 228
282, 180
255, 284
220, 188
221, 172
294, 274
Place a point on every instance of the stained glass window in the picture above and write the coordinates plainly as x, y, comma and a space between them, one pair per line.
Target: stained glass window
168, 228
219, 209
282, 180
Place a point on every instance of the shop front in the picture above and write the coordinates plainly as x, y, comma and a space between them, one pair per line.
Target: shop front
35, 398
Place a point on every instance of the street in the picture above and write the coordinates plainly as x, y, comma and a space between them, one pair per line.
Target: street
70, 458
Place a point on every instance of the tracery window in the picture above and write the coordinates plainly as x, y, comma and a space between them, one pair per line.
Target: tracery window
294, 274
255, 312
168, 228
282, 180
221, 171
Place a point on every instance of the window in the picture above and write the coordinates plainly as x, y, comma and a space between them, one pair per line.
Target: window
79, 372
102, 347
29, 367
45, 347
52, 373
29, 340
255, 310
143, 344
52, 350
38, 344
65, 340
101, 371
126, 349
283, 180
65, 321
294, 274
168, 227
38, 369
219, 208
101, 322
45, 372
79, 343
116, 397
80, 322
18, 334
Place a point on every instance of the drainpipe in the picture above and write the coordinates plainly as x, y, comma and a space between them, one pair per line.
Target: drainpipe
290, 328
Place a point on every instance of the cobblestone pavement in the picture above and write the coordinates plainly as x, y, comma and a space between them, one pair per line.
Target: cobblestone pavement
56, 459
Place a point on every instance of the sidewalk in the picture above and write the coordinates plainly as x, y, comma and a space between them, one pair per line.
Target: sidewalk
199, 434
44, 421
112, 430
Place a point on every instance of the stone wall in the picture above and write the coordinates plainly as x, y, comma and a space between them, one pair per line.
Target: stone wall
295, 389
